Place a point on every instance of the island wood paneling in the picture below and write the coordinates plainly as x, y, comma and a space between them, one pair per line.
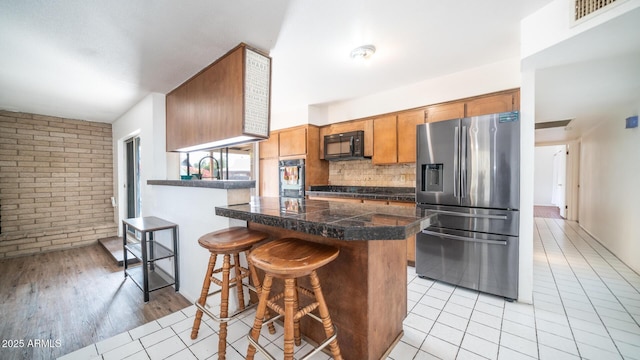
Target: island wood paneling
366, 292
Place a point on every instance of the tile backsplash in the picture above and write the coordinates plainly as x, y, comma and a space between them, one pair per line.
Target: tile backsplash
364, 173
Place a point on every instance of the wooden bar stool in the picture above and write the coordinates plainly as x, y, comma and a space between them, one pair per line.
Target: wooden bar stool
227, 242
289, 259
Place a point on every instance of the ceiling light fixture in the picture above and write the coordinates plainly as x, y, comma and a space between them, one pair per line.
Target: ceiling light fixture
363, 52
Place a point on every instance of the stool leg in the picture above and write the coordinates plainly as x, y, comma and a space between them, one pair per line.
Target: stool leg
296, 307
256, 283
224, 307
324, 315
289, 312
203, 295
260, 313
239, 288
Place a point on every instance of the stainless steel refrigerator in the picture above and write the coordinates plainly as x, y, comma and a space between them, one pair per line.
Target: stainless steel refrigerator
468, 171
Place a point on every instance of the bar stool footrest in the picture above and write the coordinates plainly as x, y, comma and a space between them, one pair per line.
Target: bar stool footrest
308, 355
219, 319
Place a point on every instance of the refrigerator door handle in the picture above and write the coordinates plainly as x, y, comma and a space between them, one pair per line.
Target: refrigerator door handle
456, 161
464, 238
463, 163
479, 216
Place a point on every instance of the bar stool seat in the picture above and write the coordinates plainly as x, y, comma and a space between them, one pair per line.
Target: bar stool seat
289, 259
227, 242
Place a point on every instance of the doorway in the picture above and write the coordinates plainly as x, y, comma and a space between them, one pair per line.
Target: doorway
132, 184
549, 181
556, 181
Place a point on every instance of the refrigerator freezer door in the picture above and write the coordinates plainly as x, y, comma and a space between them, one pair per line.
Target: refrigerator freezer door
488, 263
490, 161
494, 221
437, 173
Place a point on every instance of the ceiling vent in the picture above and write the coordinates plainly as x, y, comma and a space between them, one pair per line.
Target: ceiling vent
586, 7
552, 124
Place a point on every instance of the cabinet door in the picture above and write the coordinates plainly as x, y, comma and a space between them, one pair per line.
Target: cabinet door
385, 140
338, 199
445, 112
293, 142
411, 240
375, 202
407, 123
269, 177
490, 105
269, 147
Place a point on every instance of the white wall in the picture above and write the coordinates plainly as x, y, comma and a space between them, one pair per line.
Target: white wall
609, 191
191, 208
494, 77
498, 76
554, 23
527, 149
146, 120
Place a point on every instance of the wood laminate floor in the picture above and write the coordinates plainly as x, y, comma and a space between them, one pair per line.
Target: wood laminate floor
55, 303
547, 212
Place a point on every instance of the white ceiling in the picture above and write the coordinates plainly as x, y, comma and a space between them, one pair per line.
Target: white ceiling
95, 60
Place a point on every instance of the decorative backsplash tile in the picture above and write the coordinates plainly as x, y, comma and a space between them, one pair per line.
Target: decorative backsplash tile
364, 173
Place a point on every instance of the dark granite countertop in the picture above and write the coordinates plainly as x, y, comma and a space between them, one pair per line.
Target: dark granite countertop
407, 194
340, 220
211, 184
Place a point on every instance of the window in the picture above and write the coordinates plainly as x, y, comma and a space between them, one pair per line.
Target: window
232, 163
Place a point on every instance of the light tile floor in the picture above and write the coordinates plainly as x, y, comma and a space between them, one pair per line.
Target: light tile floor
586, 305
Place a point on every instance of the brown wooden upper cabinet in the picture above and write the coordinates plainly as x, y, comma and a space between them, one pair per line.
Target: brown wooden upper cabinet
269, 148
293, 142
482, 105
385, 140
394, 137
407, 122
443, 112
490, 104
225, 103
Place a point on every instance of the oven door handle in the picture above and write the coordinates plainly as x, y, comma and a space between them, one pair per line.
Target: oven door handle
464, 238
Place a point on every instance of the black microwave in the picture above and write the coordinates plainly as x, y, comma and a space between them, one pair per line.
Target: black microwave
346, 146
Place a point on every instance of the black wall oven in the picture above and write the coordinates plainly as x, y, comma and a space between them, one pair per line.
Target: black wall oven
292, 178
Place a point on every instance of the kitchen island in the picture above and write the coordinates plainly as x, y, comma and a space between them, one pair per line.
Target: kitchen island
366, 286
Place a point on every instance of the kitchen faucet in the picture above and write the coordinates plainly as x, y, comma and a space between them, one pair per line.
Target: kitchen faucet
217, 177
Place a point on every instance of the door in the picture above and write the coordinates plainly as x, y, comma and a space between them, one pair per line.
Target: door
484, 262
437, 173
134, 201
269, 177
559, 195
490, 161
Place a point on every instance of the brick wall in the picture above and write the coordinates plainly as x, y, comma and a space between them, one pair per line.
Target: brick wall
56, 183
364, 173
